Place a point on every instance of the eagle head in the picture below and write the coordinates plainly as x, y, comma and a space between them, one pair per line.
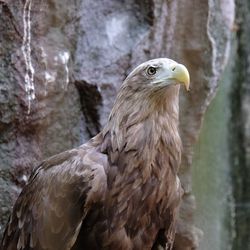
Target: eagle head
159, 73
152, 88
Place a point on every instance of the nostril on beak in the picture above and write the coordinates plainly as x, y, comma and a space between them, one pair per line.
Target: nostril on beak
173, 69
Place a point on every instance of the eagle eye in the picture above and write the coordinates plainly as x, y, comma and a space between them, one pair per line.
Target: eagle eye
151, 71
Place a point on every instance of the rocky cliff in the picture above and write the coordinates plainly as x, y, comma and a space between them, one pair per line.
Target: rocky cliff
62, 63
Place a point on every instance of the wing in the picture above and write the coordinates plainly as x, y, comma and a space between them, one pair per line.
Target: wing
49, 211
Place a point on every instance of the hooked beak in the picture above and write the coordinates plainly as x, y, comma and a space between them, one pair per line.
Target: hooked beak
180, 73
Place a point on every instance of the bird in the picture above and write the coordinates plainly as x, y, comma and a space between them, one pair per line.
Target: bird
119, 190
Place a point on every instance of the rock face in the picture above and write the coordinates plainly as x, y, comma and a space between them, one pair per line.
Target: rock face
240, 128
62, 63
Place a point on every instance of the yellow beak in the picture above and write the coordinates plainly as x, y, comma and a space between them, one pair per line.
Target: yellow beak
180, 73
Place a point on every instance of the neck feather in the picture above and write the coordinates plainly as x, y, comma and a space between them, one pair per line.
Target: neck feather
140, 120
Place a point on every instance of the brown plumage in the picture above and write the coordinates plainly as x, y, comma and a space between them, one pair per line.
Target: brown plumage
120, 190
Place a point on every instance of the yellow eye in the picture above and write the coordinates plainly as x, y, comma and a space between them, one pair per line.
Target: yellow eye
151, 71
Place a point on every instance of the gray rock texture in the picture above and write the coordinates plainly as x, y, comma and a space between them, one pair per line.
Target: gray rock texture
62, 62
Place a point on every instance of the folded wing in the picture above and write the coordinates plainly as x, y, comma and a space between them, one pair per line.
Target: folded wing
49, 212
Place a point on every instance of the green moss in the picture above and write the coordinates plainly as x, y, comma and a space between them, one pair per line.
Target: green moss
211, 172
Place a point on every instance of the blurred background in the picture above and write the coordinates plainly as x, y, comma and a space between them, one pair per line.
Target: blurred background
61, 65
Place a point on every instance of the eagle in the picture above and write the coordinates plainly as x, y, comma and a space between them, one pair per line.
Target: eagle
119, 190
